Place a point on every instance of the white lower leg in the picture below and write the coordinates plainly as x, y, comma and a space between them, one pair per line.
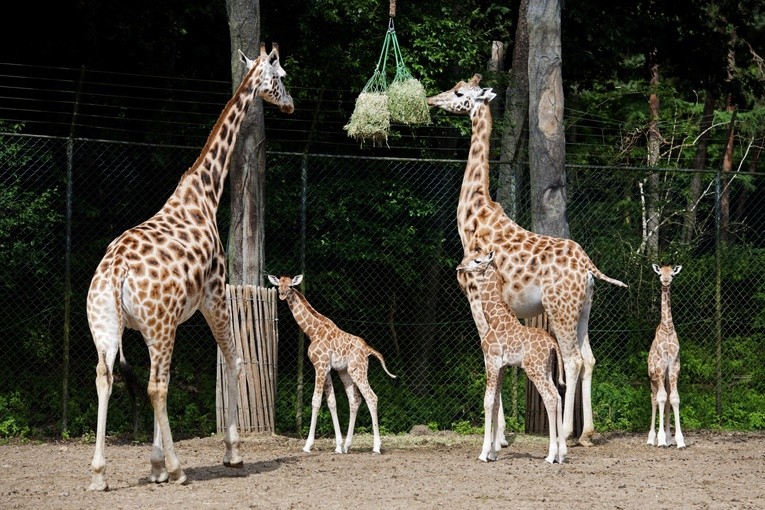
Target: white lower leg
231, 457
158, 470
98, 465
679, 439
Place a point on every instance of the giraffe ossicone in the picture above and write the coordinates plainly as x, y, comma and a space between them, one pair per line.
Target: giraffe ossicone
507, 342
154, 276
539, 272
331, 348
664, 367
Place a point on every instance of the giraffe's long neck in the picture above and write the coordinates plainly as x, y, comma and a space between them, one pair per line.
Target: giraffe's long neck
491, 297
475, 192
305, 315
475, 182
666, 309
202, 184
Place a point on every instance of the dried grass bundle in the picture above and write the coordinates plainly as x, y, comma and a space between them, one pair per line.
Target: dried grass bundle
370, 119
407, 102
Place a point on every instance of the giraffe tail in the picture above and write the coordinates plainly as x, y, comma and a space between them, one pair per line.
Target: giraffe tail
382, 361
559, 361
119, 272
600, 276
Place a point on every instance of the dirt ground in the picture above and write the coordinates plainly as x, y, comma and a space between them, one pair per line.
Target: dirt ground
437, 471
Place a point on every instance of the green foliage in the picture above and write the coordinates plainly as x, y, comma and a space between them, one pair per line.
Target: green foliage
14, 413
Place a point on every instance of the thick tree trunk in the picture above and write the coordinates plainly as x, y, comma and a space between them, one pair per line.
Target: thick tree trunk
513, 150
546, 135
700, 161
651, 240
248, 163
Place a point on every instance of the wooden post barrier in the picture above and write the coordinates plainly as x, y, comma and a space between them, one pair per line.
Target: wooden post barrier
253, 328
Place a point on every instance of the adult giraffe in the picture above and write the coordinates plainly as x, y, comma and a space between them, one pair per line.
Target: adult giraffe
540, 273
154, 276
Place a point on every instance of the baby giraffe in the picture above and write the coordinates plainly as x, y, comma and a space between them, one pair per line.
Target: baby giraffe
332, 348
507, 342
664, 367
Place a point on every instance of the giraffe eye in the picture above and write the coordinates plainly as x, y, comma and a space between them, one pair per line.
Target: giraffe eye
458, 94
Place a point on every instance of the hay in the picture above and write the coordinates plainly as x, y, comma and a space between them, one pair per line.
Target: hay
370, 119
407, 102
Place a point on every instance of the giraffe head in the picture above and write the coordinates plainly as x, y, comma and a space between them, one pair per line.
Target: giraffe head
285, 284
666, 273
464, 98
476, 262
265, 74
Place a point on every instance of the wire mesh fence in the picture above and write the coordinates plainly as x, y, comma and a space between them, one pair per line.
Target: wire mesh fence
378, 258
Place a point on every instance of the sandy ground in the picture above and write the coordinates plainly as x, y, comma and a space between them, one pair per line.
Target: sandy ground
441, 471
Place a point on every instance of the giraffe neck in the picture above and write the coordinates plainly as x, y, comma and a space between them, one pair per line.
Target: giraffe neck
202, 184
476, 179
666, 309
475, 192
305, 315
491, 297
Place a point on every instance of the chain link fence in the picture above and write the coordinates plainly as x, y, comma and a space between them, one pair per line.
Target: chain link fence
379, 257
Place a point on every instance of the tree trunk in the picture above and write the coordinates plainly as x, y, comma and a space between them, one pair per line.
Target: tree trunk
651, 240
248, 161
546, 135
694, 189
513, 150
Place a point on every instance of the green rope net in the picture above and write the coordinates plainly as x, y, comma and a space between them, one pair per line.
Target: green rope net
404, 101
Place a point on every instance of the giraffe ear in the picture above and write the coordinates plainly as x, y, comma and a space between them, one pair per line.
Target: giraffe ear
274, 280
656, 269
487, 95
296, 280
676, 270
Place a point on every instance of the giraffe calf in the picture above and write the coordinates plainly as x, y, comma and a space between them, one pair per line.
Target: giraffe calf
664, 367
332, 348
507, 342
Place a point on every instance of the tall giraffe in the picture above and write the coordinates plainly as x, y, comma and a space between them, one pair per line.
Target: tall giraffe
664, 367
540, 273
507, 342
154, 276
332, 348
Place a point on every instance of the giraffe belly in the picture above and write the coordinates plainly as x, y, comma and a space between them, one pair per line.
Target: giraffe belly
526, 303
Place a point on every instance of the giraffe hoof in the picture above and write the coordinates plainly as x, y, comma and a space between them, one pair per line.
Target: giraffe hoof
178, 477
98, 485
236, 465
585, 441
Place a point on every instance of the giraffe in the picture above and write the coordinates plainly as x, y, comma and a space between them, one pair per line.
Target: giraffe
332, 348
507, 342
154, 276
664, 367
539, 272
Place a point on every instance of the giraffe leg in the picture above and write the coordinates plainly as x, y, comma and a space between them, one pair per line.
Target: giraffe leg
588, 365
354, 401
218, 319
674, 398
104, 380
501, 423
548, 392
652, 432
489, 401
661, 401
329, 391
498, 418
318, 390
158, 469
572, 364
371, 399
158, 383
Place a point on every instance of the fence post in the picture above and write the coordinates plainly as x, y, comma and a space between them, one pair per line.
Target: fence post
253, 328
